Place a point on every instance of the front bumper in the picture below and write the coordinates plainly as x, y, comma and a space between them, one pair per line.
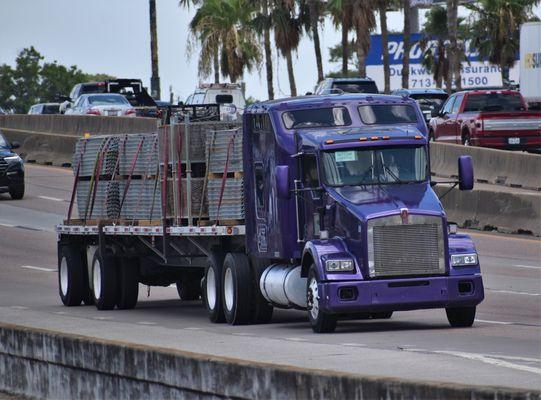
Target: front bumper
401, 294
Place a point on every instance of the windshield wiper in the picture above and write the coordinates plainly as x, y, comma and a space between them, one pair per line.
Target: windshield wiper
396, 178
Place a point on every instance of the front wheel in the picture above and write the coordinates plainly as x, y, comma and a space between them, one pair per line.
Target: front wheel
16, 192
320, 321
461, 317
212, 288
237, 289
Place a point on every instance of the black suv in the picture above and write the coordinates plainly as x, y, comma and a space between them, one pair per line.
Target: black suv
11, 170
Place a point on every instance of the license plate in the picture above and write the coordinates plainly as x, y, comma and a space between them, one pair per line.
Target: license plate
112, 113
513, 140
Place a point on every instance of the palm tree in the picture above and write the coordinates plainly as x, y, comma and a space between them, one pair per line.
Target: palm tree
262, 24
314, 13
341, 12
223, 29
286, 35
382, 6
435, 55
407, 45
364, 21
495, 30
452, 53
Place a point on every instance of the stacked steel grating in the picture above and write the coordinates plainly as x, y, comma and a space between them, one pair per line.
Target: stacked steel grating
224, 146
231, 205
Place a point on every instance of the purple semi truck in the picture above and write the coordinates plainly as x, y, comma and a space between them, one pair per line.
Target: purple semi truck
319, 203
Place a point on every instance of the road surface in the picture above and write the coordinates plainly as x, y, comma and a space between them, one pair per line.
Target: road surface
503, 348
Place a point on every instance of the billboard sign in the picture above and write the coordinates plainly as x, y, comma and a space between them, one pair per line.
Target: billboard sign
475, 72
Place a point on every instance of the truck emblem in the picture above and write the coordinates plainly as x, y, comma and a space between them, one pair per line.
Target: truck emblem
404, 214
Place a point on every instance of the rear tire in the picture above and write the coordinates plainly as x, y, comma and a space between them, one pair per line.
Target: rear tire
461, 317
104, 281
128, 283
212, 288
189, 288
237, 289
16, 192
320, 321
70, 276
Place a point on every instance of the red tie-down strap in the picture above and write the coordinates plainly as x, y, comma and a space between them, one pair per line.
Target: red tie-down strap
132, 168
224, 177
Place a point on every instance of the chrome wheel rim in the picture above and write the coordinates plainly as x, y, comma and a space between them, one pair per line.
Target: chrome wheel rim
96, 279
313, 298
211, 288
229, 290
64, 276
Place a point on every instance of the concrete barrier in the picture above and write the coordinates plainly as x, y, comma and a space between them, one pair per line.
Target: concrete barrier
50, 139
510, 168
493, 209
46, 364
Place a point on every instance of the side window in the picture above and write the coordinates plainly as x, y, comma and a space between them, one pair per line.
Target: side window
448, 105
73, 94
309, 171
457, 103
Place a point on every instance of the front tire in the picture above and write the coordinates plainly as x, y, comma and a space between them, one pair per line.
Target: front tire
237, 289
104, 281
212, 288
16, 192
320, 321
71, 282
461, 317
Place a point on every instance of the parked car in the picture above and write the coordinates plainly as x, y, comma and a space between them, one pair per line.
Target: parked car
45, 108
132, 89
346, 85
429, 100
229, 97
498, 119
11, 169
106, 104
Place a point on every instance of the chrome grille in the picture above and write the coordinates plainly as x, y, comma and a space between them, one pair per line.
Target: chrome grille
401, 249
3, 166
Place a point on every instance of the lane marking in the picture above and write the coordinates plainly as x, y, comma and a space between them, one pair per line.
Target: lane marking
50, 198
19, 307
526, 266
296, 339
38, 268
7, 225
513, 292
146, 323
516, 358
491, 360
353, 344
103, 318
494, 322
508, 237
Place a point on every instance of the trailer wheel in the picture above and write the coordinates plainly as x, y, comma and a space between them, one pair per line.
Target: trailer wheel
320, 321
461, 317
237, 289
189, 288
212, 287
128, 283
104, 281
70, 276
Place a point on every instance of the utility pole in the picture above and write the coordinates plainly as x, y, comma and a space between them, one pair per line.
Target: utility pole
155, 78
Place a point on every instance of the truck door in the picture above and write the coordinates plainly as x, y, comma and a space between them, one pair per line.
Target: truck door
311, 200
444, 129
456, 121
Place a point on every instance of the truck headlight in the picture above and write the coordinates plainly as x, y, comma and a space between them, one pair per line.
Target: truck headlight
338, 265
463, 260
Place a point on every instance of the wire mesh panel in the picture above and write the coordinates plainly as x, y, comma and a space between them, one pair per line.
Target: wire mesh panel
231, 205
224, 147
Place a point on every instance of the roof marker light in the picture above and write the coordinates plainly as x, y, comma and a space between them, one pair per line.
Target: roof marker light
386, 137
374, 138
330, 141
418, 137
363, 139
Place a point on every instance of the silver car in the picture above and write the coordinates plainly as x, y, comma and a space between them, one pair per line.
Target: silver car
106, 104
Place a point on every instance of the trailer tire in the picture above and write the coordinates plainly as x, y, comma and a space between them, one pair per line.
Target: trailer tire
70, 276
320, 321
237, 289
128, 283
189, 288
104, 281
461, 317
212, 287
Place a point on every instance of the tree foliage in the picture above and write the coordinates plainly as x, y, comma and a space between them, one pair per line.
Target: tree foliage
33, 81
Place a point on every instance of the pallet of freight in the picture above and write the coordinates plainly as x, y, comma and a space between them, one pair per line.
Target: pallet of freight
226, 198
224, 147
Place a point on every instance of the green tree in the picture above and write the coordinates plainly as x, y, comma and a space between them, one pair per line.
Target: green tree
382, 11
364, 22
57, 79
315, 12
495, 29
341, 12
262, 24
26, 89
406, 6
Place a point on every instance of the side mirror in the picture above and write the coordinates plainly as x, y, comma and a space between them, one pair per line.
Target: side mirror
15, 145
465, 173
281, 173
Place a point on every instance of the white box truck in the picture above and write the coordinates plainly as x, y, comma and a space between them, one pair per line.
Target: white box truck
530, 63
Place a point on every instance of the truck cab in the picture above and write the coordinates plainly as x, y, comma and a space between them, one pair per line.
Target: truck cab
339, 205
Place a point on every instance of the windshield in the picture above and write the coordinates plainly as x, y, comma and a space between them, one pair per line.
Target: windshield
107, 100
384, 114
320, 117
429, 100
372, 166
493, 102
3, 141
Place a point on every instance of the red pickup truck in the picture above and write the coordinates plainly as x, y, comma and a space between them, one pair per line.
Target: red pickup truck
488, 118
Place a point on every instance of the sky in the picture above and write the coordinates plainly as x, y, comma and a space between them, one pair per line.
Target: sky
112, 36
